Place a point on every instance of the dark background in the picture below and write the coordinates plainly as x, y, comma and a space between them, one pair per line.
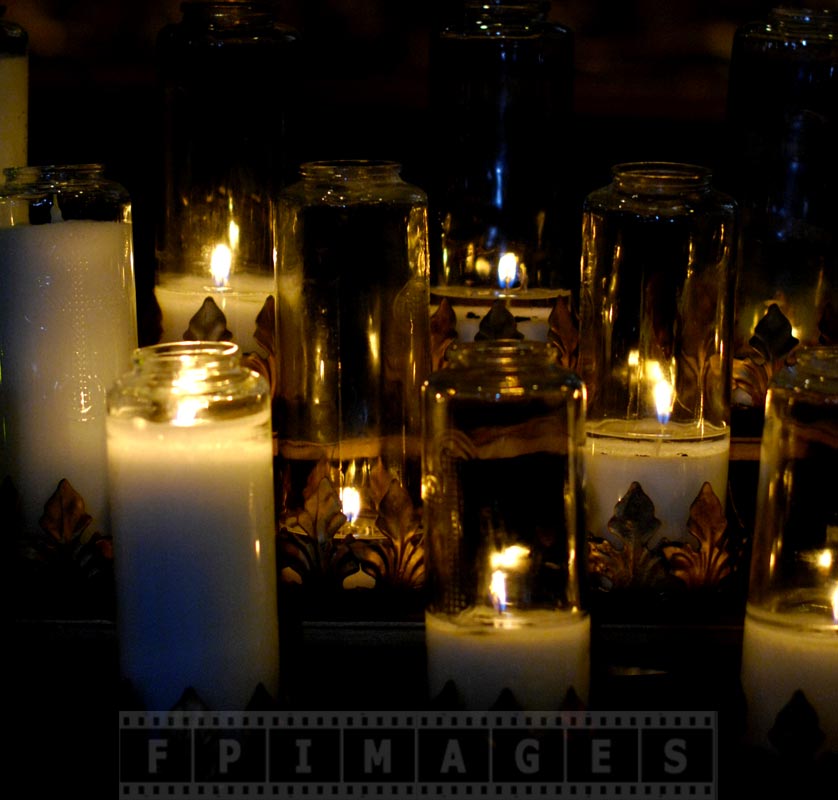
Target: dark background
650, 83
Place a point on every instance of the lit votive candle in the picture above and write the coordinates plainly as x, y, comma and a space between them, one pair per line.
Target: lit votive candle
67, 330
192, 498
670, 467
506, 626
538, 656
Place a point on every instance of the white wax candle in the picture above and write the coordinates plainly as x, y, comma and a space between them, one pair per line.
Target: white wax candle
777, 660
532, 321
67, 331
181, 296
539, 657
671, 471
14, 111
531, 309
194, 554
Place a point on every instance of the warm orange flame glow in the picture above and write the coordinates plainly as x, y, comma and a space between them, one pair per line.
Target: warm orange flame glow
221, 264
507, 270
350, 500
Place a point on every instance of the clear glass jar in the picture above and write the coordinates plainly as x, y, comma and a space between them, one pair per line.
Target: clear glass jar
352, 325
503, 215
790, 642
190, 459
655, 330
782, 168
14, 89
68, 326
229, 84
502, 485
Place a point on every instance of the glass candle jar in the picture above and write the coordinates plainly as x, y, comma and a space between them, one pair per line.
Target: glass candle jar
503, 213
68, 326
228, 80
190, 459
790, 642
14, 89
506, 621
352, 327
782, 168
655, 328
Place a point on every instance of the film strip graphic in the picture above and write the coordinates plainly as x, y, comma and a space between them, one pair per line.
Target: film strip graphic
347, 755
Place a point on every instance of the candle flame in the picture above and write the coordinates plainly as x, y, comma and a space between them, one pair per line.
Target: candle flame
663, 392
507, 270
187, 410
497, 589
350, 499
220, 264
508, 560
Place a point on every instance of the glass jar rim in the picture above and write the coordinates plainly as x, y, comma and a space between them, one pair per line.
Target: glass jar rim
185, 351
345, 167
814, 371
51, 174
660, 177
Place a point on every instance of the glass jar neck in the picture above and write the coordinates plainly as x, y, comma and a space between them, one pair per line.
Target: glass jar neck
195, 361
502, 354
227, 15
815, 371
52, 176
660, 178
351, 171
504, 17
800, 15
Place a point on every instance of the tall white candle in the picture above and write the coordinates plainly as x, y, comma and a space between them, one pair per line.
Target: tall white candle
538, 655
671, 469
194, 551
780, 655
14, 111
180, 297
67, 331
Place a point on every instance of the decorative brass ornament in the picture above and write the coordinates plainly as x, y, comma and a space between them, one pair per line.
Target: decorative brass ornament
65, 567
628, 557
315, 545
500, 323
265, 335
208, 324
771, 348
